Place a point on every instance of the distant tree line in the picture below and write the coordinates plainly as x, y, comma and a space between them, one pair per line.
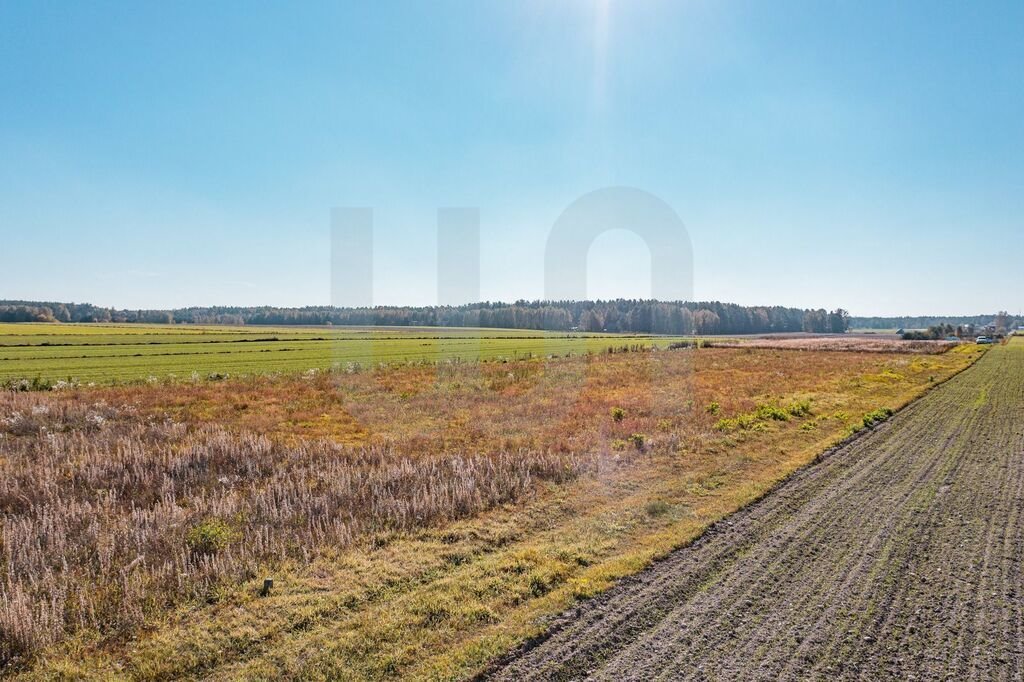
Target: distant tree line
622, 315
37, 311
940, 331
999, 324
923, 322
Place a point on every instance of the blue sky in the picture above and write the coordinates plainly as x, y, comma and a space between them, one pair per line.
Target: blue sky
855, 154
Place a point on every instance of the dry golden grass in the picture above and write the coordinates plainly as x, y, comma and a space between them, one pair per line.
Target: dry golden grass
485, 497
845, 343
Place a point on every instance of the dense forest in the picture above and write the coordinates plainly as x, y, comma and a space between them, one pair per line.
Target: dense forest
622, 315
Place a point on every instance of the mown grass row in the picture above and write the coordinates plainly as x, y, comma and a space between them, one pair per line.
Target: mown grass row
31, 334
167, 355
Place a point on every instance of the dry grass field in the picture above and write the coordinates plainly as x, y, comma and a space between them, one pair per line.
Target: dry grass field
418, 521
840, 343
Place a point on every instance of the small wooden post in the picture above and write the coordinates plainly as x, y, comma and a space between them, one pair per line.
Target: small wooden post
268, 585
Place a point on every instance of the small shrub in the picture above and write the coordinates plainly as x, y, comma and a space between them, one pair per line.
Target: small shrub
24, 385
801, 408
876, 417
771, 412
713, 408
209, 536
742, 422
40, 384
618, 414
637, 440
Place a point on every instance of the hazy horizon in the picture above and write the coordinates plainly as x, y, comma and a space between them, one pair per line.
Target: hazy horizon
511, 302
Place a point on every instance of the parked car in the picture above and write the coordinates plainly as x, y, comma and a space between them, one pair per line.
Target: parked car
984, 340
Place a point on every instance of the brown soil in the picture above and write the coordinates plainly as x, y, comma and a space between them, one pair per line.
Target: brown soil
897, 556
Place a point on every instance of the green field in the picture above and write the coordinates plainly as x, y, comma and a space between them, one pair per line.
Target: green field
105, 353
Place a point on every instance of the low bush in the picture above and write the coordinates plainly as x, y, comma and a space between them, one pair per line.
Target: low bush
741, 422
801, 408
209, 536
877, 416
765, 412
690, 343
771, 412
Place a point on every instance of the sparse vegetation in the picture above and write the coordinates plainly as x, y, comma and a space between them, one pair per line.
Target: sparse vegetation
657, 508
877, 416
800, 408
762, 413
